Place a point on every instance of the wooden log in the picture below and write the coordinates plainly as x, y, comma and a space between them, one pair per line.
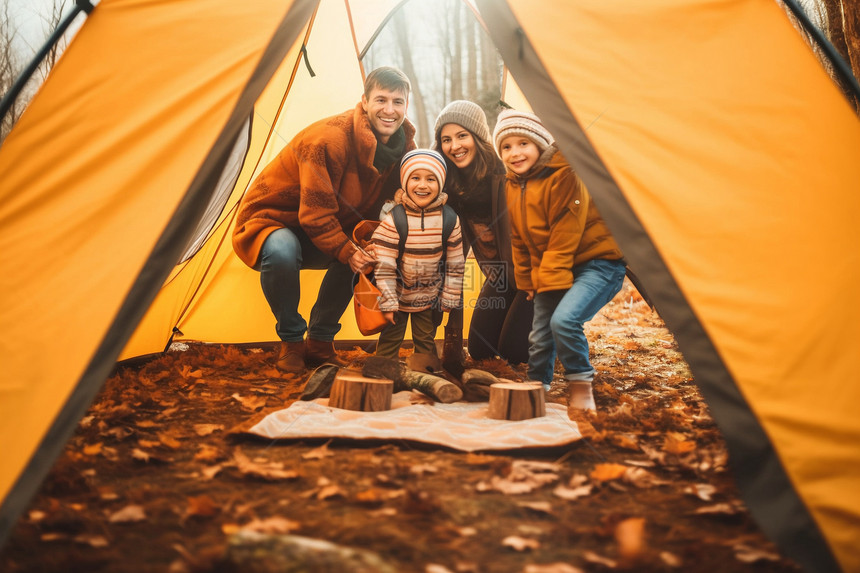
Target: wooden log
436, 387
353, 391
516, 401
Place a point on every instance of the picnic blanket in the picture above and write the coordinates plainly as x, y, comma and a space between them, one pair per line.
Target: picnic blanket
460, 425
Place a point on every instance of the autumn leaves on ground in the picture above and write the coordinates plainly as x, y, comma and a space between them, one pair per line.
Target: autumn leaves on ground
156, 480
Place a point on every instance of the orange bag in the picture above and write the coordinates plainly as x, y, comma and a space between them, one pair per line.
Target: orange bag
365, 301
365, 294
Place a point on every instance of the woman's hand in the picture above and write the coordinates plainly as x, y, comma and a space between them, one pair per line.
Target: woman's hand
530, 294
389, 316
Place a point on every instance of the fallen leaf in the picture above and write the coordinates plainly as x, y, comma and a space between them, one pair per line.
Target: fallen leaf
206, 429
593, 557
552, 568
202, 506
626, 441
318, 453
128, 514
640, 463
169, 441
571, 494
518, 543
271, 525
96, 541
372, 496
265, 470
212, 471
36, 515
641, 477
703, 491
120, 432
630, 536
421, 469
678, 444
720, 509
330, 491
670, 559
538, 506
208, 453
607, 472
93, 449
748, 554
251, 402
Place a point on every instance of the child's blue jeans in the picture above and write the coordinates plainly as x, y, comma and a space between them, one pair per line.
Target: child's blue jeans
560, 315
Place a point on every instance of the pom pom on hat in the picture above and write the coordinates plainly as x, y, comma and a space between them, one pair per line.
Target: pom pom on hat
423, 159
514, 122
466, 114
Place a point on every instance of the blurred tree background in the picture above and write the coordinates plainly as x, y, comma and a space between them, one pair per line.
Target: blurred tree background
447, 55
440, 44
24, 27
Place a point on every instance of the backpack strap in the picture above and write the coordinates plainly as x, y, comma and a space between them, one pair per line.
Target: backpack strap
402, 226
449, 219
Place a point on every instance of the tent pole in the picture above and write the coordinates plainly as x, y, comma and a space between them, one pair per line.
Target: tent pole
15, 90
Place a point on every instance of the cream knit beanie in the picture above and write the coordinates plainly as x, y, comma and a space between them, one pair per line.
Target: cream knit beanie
514, 122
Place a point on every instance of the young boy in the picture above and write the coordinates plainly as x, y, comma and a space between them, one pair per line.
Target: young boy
419, 280
564, 256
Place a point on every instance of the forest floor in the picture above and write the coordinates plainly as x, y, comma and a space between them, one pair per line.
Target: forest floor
155, 480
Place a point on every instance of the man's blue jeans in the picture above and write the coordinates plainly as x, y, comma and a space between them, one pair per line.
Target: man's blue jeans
561, 314
284, 254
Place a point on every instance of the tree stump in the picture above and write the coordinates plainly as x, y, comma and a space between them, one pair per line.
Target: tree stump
516, 401
353, 391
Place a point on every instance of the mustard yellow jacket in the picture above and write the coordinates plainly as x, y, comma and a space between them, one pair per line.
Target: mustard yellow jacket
554, 225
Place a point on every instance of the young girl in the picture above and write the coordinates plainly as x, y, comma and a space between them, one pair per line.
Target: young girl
564, 255
476, 190
413, 283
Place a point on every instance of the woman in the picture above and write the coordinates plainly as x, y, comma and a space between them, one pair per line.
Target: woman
476, 190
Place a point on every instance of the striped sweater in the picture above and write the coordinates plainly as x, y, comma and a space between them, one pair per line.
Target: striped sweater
421, 284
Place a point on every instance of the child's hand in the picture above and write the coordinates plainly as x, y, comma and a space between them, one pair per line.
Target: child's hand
389, 316
530, 294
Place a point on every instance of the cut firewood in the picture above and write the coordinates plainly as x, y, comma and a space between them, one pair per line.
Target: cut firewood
436, 387
476, 376
516, 401
353, 391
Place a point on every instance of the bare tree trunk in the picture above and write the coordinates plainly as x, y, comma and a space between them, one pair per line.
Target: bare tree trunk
404, 41
471, 31
457, 55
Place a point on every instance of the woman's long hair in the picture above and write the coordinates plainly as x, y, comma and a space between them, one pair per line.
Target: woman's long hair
485, 164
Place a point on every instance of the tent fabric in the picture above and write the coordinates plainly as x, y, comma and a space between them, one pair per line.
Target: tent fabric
705, 168
705, 131
131, 137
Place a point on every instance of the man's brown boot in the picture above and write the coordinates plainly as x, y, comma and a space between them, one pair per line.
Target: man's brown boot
321, 352
291, 358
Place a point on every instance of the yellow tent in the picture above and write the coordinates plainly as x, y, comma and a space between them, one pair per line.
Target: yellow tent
719, 151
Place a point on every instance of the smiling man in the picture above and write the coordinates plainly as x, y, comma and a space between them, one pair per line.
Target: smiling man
300, 212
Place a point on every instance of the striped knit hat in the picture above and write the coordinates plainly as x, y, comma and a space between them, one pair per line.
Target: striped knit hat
466, 114
513, 122
423, 159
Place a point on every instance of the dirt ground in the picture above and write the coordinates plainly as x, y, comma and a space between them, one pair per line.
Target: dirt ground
156, 480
